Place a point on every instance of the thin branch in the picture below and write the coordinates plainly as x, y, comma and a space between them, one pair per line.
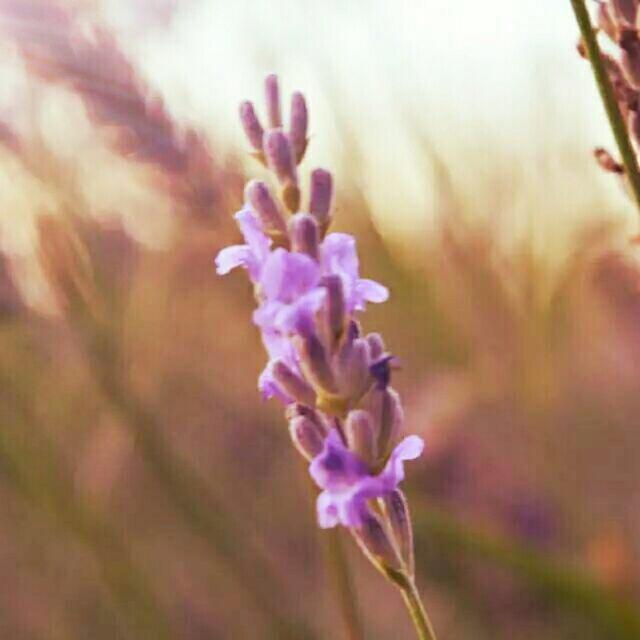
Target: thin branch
609, 101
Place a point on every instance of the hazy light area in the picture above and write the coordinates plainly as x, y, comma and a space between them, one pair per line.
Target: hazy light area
474, 80
495, 93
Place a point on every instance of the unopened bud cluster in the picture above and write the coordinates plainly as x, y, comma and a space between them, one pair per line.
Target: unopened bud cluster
344, 417
281, 150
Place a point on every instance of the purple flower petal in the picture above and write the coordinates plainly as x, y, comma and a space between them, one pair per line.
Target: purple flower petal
347, 482
279, 347
238, 255
253, 233
408, 449
251, 255
269, 388
371, 291
298, 317
286, 276
282, 318
336, 468
339, 255
334, 509
265, 317
327, 511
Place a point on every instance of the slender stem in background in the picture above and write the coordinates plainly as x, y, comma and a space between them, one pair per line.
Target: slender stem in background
201, 508
607, 94
424, 628
30, 462
562, 585
343, 583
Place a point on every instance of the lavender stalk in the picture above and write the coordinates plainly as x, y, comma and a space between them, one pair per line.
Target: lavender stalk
621, 30
345, 418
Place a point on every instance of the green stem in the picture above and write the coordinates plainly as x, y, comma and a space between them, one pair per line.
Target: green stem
607, 94
409, 591
343, 584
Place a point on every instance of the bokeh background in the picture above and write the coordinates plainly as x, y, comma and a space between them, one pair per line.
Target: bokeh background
146, 492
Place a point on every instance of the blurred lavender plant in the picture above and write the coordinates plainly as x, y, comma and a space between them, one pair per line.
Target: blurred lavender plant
58, 48
618, 80
344, 417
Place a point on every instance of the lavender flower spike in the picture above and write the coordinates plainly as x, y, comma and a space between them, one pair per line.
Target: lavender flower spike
344, 417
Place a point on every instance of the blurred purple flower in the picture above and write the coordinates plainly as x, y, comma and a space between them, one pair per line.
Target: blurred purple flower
348, 483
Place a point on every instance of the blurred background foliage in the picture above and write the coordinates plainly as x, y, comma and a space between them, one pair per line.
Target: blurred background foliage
146, 490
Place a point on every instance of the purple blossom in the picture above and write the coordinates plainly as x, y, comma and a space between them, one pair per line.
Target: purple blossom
339, 257
279, 347
291, 296
251, 255
269, 388
308, 289
289, 286
347, 482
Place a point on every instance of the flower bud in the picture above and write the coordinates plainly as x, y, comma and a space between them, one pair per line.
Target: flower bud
633, 123
626, 96
315, 364
606, 160
293, 384
381, 370
251, 125
630, 61
303, 231
354, 330
358, 429
280, 160
388, 417
606, 22
296, 409
321, 196
353, 371
625, 12
298, 126
307, 437
397, 511
278, 152
257, 194
272, 96
335, 306
374, 540
376, 345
